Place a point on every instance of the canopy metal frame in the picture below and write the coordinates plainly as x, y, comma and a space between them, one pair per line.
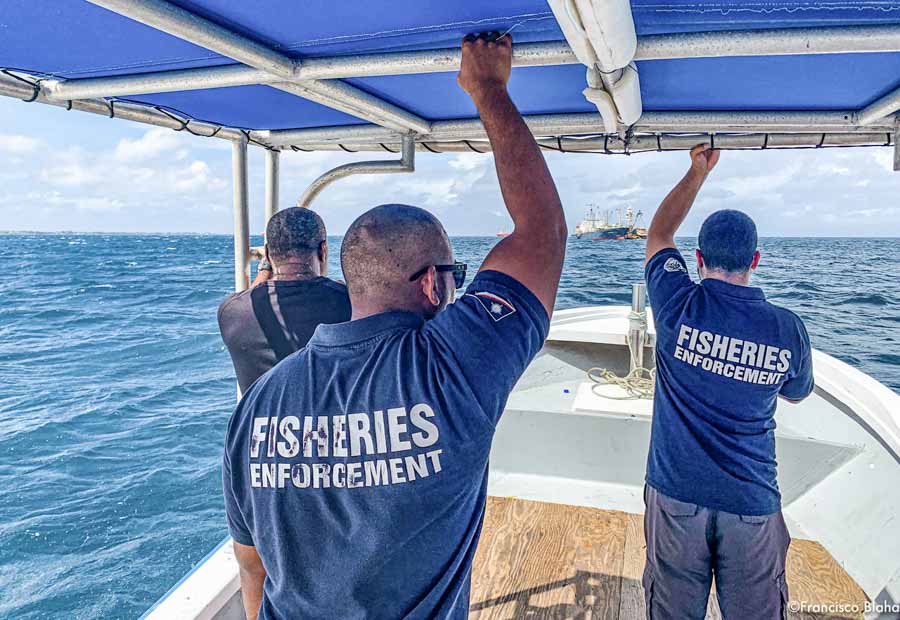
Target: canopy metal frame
406, 163
320, 80
393, 128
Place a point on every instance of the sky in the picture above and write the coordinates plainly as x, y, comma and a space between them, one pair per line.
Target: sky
62, 171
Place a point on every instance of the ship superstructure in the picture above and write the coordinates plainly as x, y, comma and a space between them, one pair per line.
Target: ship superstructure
611, 224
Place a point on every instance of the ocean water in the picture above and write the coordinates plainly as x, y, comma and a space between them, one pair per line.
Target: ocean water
115, 390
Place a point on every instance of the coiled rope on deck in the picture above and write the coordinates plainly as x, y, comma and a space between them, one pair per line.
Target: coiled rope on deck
638, 383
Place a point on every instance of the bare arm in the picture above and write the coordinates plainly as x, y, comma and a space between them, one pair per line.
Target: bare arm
263, 275
263, 272
253, 575
678, 202
533, 254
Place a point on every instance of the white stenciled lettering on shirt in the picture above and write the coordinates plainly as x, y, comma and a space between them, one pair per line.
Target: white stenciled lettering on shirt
288, 446
397, 429
734, 348
376, 473
749, 353
380, 442
299, 475
771, 357
284, 474
719, 346
268, 475
354, 475
308, 436
257, 436
429, 432
322, 436
730, 357
703, 342
341, 436
684, 332
339, 447
784, 360
273, 424
360, 435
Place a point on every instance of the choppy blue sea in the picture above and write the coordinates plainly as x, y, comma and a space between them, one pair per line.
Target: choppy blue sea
115, 391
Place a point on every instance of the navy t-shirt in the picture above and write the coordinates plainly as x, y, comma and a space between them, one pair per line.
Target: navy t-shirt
358, 466
723, 355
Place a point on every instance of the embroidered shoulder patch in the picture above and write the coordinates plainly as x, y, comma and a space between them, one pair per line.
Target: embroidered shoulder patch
496, 307
673, 264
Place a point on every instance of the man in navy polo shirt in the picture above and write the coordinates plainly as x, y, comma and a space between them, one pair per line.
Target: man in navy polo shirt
355, 471
723, 357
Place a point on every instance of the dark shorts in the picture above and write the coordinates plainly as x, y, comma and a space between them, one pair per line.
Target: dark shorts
687, 545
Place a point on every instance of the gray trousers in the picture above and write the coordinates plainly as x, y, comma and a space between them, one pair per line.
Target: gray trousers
688, 544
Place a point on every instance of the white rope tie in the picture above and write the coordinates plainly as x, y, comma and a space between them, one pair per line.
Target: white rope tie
638, 383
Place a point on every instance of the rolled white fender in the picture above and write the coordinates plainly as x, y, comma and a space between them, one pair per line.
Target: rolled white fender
569, 19
600, 32
610, 28
627, 95
605, 106
602, 35
623, 105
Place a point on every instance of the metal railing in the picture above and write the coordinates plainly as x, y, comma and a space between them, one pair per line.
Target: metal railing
406, 163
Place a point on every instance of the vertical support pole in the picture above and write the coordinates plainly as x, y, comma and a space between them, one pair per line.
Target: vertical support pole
241, 215
897, 145
637, 324
272, 178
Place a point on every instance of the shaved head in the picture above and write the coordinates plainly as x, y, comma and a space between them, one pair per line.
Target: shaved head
385, 246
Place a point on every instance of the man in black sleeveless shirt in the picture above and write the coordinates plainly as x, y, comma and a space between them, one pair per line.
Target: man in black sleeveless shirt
278, 315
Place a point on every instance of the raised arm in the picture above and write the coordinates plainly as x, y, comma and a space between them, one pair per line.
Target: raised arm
675, 207
533, 254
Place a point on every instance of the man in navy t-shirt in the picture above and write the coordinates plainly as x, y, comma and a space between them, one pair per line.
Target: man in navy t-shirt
355, 472
724, 355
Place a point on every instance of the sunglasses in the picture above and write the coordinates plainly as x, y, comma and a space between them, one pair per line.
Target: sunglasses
458, 269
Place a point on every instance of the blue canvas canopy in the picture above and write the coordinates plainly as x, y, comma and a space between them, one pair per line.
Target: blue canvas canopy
389, 64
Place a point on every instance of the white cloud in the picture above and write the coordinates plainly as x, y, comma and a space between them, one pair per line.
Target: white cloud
756, 184
98, 204
834, 169
73, 174
467, 161
197, 176
14, 144
884, 158
801, 212
152, 144
867, 212
56, 199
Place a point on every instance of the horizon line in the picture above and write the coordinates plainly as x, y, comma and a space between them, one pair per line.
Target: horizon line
471, 236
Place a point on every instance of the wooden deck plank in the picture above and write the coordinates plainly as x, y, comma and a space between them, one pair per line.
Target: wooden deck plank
631, 601
814, 576
518, 567
542, 560
599, 561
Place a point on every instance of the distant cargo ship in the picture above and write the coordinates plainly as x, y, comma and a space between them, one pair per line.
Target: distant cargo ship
503, 233
600, 225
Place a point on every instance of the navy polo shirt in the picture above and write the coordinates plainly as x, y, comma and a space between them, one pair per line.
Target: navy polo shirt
358, 466
723, 355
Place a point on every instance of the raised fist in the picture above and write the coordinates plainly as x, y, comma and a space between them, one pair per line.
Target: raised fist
486, 64
703, 159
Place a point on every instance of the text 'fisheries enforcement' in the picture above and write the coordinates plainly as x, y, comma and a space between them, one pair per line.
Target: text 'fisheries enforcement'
741, 360
382, 432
